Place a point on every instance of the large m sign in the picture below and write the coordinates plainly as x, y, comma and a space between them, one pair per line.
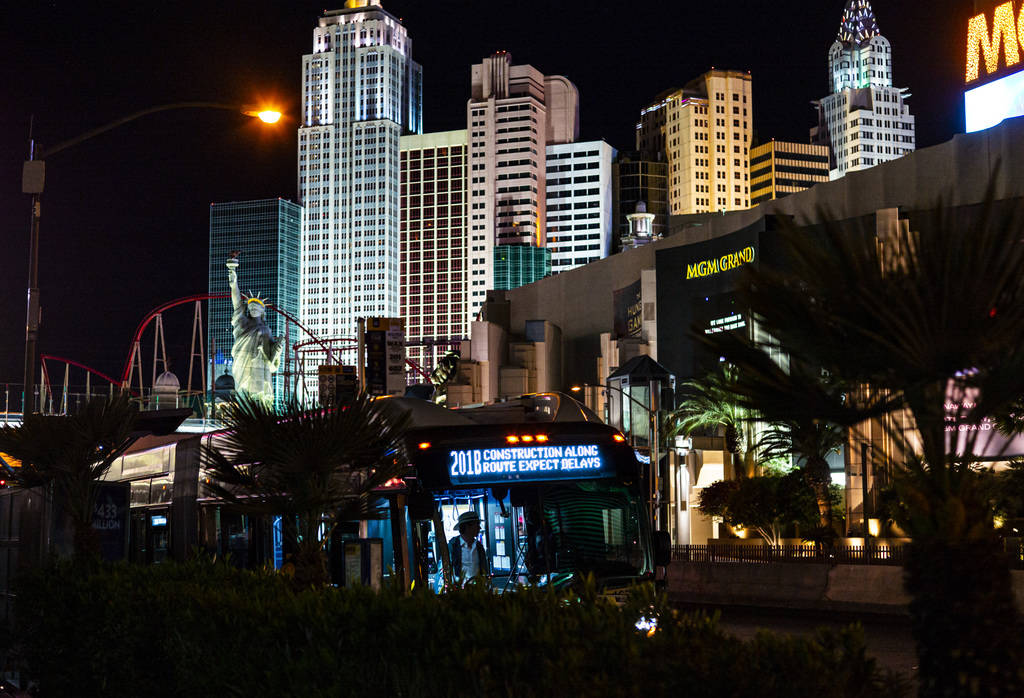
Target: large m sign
1006, 38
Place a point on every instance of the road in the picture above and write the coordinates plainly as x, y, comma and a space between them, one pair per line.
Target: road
888, 638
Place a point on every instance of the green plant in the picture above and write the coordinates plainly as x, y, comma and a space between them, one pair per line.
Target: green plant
314, 467
71, 454
765, 504
205, 628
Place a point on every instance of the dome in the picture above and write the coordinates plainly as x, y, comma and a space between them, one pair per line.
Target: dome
641, 207
167, 382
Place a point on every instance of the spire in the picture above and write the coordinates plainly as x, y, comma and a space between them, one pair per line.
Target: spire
859, 23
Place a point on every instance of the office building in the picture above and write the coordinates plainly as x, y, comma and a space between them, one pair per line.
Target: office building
513, 113
434, 266
704, 131
865, 121
778, 168
518, 265
266, 232
579, 203
636, 180
361, 91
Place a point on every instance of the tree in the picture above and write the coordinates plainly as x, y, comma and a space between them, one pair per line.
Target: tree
71, 454
314, 467
810, 442
920, 320
766, 504
710, 404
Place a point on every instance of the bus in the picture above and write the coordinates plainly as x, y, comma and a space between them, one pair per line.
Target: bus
559, 493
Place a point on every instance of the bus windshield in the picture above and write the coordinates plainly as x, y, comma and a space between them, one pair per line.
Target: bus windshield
555, 493
549, 534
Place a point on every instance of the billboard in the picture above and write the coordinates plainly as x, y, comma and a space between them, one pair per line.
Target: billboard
993, 69
384, 339
991, 104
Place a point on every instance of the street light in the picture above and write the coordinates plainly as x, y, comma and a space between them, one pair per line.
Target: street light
33, 177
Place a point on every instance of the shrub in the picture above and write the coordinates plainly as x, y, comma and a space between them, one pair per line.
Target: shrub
203, 628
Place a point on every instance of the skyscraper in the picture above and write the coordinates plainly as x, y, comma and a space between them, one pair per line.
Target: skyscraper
865, 120
514, 112
433, 269
704, 131
778, 168
266, 232
361, 91
579, 203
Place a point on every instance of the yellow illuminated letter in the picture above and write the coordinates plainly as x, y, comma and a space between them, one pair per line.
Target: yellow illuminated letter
1004, 31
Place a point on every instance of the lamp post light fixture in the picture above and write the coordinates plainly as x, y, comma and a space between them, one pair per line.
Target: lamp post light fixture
33, 179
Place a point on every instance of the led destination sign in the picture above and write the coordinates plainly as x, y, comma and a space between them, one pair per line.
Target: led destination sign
489, 466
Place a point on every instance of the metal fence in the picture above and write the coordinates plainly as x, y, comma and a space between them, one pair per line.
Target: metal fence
882, 554
879, 554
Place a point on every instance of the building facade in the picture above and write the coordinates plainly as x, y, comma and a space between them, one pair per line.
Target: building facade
518, 265
639, 180
267, 233
865, 121
361, 91
704, 131
778, 168
434, 263
513, 113
580, 203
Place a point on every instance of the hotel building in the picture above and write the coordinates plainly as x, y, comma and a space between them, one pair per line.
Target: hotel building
704, 130
579, 203
778, 168
361, 91
433, 271
513, 113
865, 121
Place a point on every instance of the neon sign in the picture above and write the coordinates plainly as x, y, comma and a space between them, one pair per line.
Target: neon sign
1006, 38
727, 262
495, 466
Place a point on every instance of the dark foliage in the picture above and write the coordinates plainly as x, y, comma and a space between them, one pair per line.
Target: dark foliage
207, 629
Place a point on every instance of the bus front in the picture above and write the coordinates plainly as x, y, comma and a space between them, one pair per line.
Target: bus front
557, 502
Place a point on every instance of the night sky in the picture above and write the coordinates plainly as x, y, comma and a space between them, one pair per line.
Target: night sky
125, 216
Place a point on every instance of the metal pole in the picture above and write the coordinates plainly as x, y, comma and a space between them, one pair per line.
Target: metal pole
32, 305
361, 353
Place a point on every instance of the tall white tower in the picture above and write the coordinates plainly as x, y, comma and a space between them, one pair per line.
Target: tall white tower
865, 121
361, 91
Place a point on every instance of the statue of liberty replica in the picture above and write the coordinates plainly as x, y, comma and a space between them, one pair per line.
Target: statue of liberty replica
255, 353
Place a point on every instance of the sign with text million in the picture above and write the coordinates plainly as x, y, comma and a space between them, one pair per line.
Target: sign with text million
995, 44
499, 466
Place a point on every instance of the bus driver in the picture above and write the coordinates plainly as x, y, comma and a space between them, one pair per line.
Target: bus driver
469, 559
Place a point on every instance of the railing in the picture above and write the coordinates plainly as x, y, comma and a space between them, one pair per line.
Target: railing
879, 554
882, 554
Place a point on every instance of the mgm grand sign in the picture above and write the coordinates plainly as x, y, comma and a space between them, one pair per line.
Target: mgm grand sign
717, 265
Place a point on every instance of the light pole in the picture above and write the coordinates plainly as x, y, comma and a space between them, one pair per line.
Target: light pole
33, 178
653, 413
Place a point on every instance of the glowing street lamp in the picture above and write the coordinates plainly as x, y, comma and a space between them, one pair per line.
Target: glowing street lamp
33, 177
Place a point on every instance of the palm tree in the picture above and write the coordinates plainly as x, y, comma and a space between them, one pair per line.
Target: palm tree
314, 467
71, 454
709, 404
918, 318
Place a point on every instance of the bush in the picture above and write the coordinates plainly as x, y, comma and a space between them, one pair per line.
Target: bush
204, 628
